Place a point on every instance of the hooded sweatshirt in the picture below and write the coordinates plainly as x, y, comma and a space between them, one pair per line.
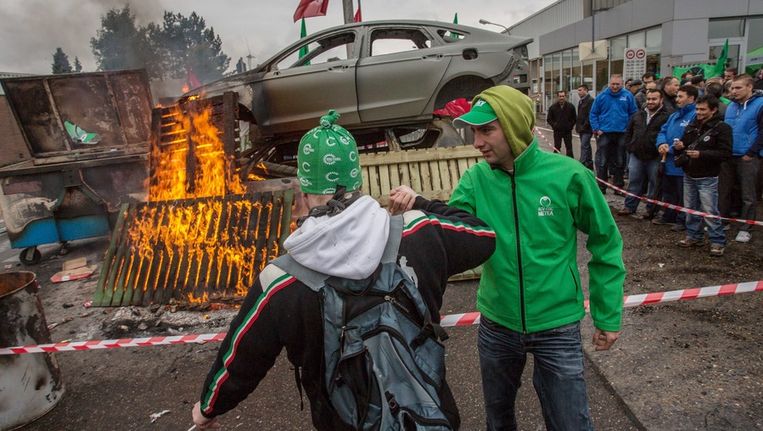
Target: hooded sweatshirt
610, 111
532, 283
281, 312
746, 121
674, 129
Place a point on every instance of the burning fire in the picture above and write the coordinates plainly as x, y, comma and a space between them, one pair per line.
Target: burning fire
205, 242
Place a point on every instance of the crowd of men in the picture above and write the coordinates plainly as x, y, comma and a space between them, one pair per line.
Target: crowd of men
691, 142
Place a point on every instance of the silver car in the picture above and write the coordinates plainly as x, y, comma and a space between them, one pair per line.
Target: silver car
378, 75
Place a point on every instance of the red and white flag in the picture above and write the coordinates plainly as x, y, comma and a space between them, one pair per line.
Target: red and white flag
357, 17
309, 8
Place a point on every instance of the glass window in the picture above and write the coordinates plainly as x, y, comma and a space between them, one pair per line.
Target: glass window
557, 70
567, 70
617, 48
637, 40
755, 34
653, 63
391, 41
653, 40
616, 67
333, 48
548, 82
602, 75
733, 57
576, 76
725, 28
588, 74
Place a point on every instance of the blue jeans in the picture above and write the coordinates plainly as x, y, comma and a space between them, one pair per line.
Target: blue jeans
557, 375
640, 171
701, 194
610, 157
586, 157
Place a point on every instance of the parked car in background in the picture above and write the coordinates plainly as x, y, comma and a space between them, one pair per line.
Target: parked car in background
378, 75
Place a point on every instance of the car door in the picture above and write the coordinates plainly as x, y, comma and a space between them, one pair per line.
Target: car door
296, 90
398, 72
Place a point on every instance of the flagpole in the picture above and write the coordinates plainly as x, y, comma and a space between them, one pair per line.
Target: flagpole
349, 13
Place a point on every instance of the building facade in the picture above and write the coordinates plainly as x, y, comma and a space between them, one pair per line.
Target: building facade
672, 32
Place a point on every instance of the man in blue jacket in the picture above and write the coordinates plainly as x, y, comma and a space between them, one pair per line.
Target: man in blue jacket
745, 116
609, 117
673, 179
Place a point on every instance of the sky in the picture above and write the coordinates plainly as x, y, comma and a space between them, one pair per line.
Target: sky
31, 30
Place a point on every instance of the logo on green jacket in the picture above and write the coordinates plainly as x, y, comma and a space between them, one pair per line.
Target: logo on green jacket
545, 208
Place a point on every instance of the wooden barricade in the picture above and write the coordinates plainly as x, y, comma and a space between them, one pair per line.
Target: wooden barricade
433, 172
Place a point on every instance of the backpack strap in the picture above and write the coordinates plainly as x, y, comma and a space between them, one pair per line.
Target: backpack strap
393, 240
316, 280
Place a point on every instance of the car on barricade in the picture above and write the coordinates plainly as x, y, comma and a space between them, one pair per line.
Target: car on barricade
380, 76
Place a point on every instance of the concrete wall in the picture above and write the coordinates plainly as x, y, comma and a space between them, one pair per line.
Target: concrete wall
684, 25
559, 14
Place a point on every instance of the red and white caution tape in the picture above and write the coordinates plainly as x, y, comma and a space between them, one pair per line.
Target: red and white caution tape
657, 202
463, 319
69, 346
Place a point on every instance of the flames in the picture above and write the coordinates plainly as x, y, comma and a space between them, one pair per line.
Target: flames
198, 231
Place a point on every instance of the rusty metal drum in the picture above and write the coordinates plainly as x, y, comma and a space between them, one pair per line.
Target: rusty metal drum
30, 384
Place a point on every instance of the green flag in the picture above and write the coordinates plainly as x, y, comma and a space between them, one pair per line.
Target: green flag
720, 65
705, 69
454, 36
303, 34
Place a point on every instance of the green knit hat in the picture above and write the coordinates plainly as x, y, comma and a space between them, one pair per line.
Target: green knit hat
328, 158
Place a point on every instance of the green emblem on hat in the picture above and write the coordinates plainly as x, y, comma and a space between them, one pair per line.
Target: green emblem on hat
327, 158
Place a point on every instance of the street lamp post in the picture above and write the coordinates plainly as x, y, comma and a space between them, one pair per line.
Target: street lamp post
486, 22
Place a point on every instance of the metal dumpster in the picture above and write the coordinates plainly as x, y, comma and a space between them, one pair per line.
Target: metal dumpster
88, 138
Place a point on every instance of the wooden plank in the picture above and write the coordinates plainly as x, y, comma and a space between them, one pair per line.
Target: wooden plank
426, 177
434, 170
442, 166
394, 175
462, 167
415, 176
405, 177
453, 172
417, 156
384, 180
103, 291
373, 179
366, 187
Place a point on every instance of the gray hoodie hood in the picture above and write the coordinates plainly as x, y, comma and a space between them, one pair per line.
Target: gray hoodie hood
347, 245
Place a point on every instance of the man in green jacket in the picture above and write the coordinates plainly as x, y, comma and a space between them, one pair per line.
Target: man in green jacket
530, 294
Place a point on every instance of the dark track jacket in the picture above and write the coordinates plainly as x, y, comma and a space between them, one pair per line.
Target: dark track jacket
640, 137
713, 140
562, 117
281, 312
583, 124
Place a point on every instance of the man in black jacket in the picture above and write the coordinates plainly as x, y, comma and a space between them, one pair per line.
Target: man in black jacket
345, 238
641, 139
706, 143
583, 126
561, 117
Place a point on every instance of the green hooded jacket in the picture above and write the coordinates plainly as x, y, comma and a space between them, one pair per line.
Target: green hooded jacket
532, 283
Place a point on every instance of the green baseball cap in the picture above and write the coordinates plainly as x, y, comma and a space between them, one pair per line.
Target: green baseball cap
480, 114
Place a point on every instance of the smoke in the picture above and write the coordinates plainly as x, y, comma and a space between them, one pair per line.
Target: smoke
33, 29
